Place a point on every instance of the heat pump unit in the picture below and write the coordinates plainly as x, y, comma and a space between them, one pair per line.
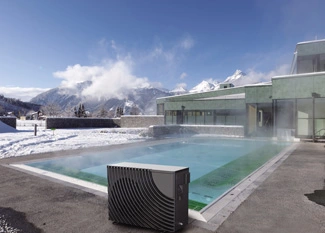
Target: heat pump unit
147, 195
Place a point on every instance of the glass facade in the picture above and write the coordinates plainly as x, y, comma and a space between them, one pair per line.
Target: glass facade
160, 109
320, 117
304, 117
207, 117
310, 63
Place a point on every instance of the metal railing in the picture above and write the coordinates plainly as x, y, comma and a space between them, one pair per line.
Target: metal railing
319, 135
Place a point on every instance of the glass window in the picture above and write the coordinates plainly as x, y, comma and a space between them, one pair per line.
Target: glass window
209, 119
305, 117
322, 62
160, 109
320, 108
320, 117
285, 117
304, 108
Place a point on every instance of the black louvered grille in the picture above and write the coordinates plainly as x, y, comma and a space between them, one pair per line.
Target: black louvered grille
134, 199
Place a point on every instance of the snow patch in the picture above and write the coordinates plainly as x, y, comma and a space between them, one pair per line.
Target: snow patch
22, 141
4, 128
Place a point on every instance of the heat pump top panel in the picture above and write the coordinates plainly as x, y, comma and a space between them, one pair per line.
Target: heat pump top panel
157, 167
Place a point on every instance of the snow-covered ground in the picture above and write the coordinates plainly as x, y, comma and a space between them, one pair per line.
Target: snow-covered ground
21, 141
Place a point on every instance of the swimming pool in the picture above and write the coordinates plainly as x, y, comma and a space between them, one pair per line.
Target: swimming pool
216, 164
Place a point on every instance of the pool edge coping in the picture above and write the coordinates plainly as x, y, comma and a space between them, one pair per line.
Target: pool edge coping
218, 211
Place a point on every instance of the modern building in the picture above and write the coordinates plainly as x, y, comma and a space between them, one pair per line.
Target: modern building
292, 104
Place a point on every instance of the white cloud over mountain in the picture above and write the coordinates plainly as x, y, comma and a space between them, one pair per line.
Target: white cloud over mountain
256, 76
110, 80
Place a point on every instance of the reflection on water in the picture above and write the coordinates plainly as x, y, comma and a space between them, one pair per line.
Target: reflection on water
215, 164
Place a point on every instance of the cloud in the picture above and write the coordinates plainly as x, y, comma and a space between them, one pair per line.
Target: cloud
187, 43
171, 55
159, 53
183, 75
113, 45
113, 79
113, 72
22, 93
256, 76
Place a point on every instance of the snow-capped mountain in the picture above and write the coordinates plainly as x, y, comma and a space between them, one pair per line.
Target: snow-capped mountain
204, 86
238, 78
137, 101
178, 91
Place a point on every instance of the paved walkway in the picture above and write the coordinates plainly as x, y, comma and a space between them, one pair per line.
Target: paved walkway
280, 204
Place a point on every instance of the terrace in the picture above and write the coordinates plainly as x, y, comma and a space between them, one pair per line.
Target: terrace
289, 197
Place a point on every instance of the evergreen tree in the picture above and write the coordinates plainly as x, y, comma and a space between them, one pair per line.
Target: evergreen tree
119, 112
81, 111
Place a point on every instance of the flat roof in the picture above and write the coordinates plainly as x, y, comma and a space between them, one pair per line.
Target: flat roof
311, 41
299, 75
233, 96
269, 83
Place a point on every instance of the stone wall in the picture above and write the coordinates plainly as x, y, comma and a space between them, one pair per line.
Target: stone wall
65, 123
11, 121
139, 121
220, 130
124, 122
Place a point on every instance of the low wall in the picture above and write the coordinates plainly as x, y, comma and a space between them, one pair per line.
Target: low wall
11, 121
140, 121
222, 130
65, 123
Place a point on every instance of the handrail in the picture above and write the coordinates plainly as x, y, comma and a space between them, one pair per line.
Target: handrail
319, 132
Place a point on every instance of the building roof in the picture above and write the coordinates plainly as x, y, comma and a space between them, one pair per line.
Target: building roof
230, 97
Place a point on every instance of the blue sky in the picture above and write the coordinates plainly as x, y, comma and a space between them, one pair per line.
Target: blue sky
45, 44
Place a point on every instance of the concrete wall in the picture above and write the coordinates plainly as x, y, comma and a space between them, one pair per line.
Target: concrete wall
313, 48
258, 94
298, 86
11, 121
124, 122
224, 130
65, 123
139, 121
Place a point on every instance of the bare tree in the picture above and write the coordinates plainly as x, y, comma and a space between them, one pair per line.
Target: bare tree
135, 110
51, 109
103, 112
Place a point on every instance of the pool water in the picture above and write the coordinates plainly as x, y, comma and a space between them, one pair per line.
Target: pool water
215, 164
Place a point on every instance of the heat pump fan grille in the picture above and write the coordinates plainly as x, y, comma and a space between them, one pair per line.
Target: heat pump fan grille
134, 199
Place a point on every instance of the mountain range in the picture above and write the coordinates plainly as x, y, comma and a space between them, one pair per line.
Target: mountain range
137, 101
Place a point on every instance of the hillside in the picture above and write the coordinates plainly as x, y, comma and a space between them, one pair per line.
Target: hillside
17, 107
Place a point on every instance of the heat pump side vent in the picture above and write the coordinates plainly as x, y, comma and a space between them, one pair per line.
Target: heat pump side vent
134, 199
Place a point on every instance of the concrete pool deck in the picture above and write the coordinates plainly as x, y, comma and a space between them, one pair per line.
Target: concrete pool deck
279, 204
